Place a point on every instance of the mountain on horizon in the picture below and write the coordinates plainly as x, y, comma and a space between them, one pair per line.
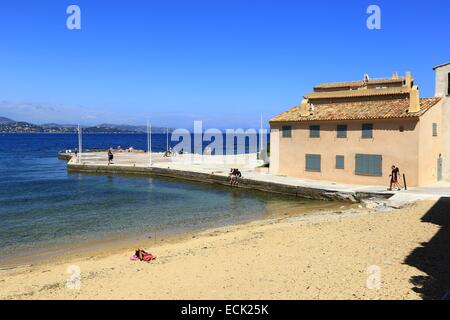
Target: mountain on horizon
4, 120
11, 126
56, 125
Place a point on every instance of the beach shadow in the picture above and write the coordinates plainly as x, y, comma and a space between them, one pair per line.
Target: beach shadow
433, 257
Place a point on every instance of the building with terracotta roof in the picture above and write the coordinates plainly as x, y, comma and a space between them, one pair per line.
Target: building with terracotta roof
353, 132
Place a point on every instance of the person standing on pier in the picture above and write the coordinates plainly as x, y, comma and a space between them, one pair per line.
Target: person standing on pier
110, 156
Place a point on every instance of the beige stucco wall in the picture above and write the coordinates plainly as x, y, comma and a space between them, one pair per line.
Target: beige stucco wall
274, 150
399, 148
430, 147
442, 80
441, 91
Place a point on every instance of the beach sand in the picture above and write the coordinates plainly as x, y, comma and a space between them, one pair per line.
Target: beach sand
330, 256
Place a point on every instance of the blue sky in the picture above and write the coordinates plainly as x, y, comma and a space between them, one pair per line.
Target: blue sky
220, 61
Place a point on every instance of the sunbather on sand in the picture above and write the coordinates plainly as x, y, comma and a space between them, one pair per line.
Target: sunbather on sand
142, 255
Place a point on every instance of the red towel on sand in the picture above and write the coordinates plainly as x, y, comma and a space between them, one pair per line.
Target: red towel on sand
148, 257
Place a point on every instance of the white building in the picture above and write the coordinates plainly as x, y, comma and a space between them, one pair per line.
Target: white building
443, 91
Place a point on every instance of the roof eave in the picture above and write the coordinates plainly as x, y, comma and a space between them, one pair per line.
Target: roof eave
337, 120
441, 65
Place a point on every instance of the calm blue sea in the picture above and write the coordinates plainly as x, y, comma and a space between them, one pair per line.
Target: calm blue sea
43, 206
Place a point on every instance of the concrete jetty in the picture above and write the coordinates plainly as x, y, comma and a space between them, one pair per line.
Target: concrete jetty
215, 169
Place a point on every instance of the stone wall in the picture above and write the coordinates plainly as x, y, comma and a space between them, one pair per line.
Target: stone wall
298, 191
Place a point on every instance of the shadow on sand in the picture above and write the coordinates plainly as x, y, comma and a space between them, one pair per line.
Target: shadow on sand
433, 257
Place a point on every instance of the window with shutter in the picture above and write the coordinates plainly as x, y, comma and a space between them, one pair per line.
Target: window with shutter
341, 131
367, 131
314, 131
286, 131
369, 165
340, 162
312, 162
435, 132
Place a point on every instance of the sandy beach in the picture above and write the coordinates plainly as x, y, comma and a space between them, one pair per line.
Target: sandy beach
328, 256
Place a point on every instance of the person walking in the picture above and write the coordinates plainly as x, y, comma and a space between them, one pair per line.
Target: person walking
395, 175
110, 156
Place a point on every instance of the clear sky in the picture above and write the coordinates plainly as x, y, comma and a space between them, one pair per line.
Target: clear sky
221, 61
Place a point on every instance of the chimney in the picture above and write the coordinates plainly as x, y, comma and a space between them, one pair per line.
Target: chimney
305, 108
408, 79
366, 77
414, 100
395, 76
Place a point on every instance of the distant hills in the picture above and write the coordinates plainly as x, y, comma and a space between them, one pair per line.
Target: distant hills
4, 120
11, 126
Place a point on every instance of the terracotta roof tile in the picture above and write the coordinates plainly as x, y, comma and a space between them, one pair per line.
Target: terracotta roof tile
383, 81
359, 110
358, 93
358, 83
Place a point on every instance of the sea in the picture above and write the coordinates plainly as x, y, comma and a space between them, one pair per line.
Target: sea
46, 210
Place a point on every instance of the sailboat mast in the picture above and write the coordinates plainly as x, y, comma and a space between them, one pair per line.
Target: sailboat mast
80, 144
261, 134
167, 139
149, 142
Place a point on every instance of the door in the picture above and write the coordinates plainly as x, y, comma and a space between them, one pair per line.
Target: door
439, 169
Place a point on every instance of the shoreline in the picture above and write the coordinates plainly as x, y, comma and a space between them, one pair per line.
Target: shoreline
127, 246
322, 256
115, 244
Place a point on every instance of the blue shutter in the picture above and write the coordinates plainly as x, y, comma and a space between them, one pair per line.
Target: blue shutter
377, 165
342, 131
366, 164
312, 162
339, 162
314, 131
369, 165
367, 131
287, 131
359, 164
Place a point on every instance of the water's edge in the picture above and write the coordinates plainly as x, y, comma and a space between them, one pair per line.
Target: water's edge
104, 247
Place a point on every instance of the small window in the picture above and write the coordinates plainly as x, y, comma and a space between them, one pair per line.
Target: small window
340, 162
369, 165
312, 162
314, 131
435, 130
448, 85
341, 131
367, 131
287, 131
